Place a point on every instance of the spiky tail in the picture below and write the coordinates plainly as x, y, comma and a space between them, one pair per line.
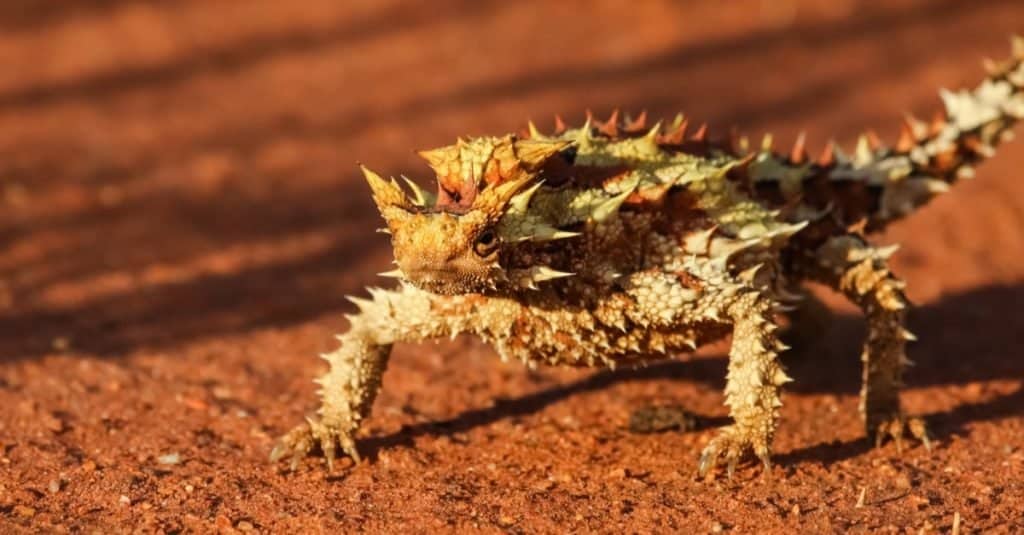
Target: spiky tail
879, 184
929, 157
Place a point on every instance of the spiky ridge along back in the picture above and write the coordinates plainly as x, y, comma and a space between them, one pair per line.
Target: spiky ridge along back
874, 185
536, 190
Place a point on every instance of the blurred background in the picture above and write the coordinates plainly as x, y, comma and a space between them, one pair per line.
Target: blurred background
177, 169
181, 212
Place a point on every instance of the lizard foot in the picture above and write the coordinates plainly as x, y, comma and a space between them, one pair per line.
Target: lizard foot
729, 445
301, 440
893, 425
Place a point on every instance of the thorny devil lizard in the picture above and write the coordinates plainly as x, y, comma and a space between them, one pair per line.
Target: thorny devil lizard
615, 244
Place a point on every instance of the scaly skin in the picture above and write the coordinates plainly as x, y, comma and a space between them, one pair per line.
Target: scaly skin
615, 244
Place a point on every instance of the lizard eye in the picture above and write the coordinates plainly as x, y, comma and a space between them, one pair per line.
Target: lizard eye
486, 243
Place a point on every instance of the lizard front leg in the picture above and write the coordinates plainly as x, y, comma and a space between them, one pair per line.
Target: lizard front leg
752, 390
705, 298
349, 387
862, 274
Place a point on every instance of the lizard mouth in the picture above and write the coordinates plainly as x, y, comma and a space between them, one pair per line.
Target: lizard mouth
446, 282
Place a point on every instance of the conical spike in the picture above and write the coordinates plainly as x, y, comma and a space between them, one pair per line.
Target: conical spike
744, 144
563, 234
701, 135
1017, 43
532, 153
698, 242
420, 196
874, 142
385, 194
906, 141
887, 251
393, 274
907, 335
638, 124
652, 135
588, 126
611, 126
992, 68
863, 152
799, 153
541, 232
609, 207
363, 303
560, 125
828, 155
938, 123
534, 133
521, 200
917, 127
748, 274
678, 133
545, 273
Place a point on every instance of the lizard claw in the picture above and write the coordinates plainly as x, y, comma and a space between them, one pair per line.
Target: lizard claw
303, 439
893, 426
729, 445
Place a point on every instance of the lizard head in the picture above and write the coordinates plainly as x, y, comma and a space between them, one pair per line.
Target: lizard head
452, 242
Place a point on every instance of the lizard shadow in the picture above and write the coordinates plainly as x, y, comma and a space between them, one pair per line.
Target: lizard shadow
986, 327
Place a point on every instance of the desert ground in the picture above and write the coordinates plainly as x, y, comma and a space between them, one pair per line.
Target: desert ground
181, 217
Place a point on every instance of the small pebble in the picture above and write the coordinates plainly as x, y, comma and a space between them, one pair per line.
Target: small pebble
170, 458
61, 343
124, 500
618, 473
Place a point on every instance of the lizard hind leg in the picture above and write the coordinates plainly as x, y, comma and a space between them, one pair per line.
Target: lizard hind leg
861, 273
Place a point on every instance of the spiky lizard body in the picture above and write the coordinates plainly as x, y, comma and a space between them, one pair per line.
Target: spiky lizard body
614, 243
